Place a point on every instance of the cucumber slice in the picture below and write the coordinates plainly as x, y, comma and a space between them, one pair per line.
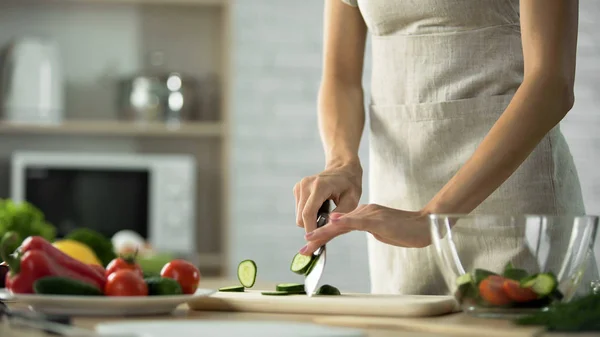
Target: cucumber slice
277, 293
247, 273
300, 263
296, 288
327, 289
542, 284
464, 279
313, 262
236, 289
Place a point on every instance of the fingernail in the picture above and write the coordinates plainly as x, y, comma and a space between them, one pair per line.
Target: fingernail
334, 216
303, 249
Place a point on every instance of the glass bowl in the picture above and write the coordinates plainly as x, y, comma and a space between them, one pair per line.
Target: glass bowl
509, 266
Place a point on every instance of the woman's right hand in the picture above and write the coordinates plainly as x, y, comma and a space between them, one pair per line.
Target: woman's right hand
340, 183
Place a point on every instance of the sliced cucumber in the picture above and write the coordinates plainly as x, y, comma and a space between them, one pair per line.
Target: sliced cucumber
277, 293
542, 284
464, 279
314, 261
290, 287
237, 289
301, 263
247, 273
327, 289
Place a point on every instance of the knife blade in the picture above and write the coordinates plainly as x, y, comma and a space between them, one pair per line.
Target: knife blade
313, 277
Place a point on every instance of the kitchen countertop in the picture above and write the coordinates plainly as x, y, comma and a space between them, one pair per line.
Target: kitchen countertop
457, 324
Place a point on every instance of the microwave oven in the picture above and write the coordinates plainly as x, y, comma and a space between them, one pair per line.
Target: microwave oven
152, 195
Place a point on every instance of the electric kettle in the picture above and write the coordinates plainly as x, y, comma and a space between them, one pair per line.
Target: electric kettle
31, 82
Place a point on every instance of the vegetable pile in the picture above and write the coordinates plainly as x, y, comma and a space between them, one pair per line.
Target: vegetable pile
36, 266
301, 265
513, 288
24, 219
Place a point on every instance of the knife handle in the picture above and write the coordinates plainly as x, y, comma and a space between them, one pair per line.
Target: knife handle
323, 213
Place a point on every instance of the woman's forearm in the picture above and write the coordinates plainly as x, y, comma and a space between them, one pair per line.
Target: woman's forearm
341, 122
539, 104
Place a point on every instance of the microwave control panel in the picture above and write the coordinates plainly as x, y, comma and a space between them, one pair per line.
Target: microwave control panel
173, 220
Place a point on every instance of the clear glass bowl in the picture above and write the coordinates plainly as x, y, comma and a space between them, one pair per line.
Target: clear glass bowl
508, 266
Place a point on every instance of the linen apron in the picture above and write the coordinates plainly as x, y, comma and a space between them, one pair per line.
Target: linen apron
443, 71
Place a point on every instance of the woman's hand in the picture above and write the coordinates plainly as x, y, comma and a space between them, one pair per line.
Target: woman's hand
388, 225
340, 183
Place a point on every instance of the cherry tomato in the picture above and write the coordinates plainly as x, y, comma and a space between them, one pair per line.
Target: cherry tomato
515, 292
185, 273
127, 263
491, 290
125, 282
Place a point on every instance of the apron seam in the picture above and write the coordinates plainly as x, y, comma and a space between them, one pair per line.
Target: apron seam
457, 31
551, 171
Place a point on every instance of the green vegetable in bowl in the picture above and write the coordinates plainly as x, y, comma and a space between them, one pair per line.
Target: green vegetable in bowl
101, 245
514, 288
24, 219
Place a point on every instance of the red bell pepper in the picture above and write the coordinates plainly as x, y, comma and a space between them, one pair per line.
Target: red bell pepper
37, 258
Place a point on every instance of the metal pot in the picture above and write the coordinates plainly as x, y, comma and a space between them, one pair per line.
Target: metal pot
168, 97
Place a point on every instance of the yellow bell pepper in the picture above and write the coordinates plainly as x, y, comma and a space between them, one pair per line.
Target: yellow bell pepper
77, 250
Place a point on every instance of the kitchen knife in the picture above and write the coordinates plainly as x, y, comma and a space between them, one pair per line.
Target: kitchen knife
318, 265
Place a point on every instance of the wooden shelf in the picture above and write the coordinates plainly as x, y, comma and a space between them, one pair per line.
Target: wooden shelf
115, 128
152, 2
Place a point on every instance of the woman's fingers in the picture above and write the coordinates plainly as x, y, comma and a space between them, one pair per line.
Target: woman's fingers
338, 224
303, 192
319, 193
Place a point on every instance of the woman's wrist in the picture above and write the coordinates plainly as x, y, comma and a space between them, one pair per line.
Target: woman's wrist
345, 161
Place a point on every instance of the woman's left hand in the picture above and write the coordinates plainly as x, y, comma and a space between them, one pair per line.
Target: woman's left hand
388, 225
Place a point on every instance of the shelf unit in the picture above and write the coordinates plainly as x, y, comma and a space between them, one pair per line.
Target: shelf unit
116, 128
104, 40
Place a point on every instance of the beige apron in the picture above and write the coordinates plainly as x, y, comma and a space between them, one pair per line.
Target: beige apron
443, 71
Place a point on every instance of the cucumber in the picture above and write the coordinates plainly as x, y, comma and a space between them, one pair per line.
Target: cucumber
296, 288
464, 279
543, 285
277, 293
301, 263
247, 273
236, 289
158, 286
327, 289
55, 285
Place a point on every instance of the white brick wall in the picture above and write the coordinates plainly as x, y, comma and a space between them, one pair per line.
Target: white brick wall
277, 67
581, 125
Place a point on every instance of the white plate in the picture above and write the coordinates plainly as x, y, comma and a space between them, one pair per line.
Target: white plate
224, 328
104, 305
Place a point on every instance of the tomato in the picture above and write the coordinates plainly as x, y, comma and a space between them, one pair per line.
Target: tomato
491, 290
185, 273
125, 282
127, 263
515, 292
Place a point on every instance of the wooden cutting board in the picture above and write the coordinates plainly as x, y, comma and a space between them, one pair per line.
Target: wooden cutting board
448, 325
345, 304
